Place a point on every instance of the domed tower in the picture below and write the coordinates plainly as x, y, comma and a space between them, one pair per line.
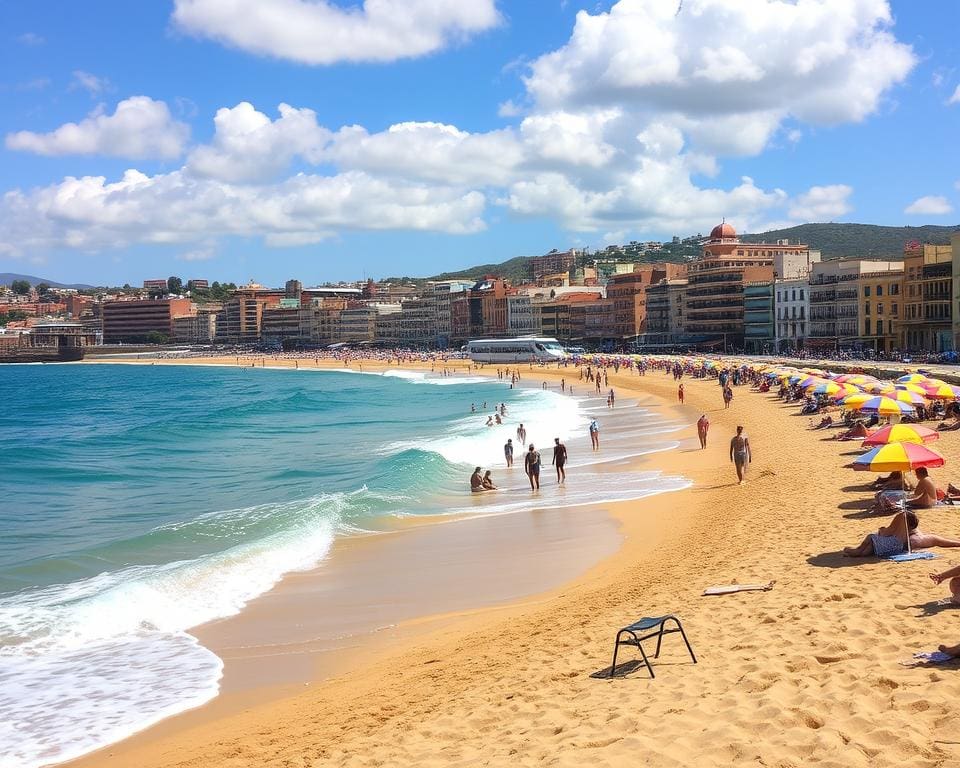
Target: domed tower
723, 232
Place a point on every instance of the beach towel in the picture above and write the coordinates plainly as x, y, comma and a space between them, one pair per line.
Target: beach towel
904, 557
927, 657
727, 589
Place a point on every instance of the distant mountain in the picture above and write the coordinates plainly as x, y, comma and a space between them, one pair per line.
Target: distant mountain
8, 277
832, 240
836, 240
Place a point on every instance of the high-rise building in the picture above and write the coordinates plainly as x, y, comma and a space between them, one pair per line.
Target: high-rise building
552, 263
715, 294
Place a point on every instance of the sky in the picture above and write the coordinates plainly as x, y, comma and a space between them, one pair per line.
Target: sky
331, 140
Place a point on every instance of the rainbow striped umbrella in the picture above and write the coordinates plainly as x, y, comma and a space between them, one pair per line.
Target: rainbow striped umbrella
912, 388
882, 406
854, 401
911, 378
902, 433
897, 457
824, 388
943, 392
902, 396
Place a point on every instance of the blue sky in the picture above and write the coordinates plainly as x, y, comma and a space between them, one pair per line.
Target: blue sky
419, 139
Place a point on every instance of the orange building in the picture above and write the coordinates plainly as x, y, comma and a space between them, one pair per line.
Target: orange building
627, 297
133, 322
714, 305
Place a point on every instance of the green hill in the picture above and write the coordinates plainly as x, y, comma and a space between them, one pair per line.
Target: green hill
832, 240
836, 240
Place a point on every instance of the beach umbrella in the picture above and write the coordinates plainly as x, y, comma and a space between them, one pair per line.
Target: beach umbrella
898, 457
880, 387
911, 378
854, 401
882, 406
943, 392
824, 388
902, 396
902, 433
912, 388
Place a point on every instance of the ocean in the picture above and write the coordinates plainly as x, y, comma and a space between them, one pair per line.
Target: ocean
140, 501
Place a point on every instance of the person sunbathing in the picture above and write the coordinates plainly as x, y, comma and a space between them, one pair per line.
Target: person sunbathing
895, 481
949, 426
892, 539
826, 421
857, 432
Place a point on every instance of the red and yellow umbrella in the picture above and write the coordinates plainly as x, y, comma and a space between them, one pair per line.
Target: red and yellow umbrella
902, 433
883, 406
943, 392
898, 457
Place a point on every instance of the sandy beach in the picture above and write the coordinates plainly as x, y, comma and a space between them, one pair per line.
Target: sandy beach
807, 673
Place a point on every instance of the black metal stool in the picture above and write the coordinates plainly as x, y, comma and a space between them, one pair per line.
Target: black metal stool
634, 638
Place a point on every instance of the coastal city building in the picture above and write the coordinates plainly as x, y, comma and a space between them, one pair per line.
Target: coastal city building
792, 308
141, 321
926, 319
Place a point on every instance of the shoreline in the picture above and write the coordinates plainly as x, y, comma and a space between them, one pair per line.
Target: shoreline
276, 645
807, 672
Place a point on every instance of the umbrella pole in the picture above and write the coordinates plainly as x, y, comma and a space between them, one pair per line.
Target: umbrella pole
903, 502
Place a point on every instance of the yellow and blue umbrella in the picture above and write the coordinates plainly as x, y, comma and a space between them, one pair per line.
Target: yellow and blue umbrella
882, 406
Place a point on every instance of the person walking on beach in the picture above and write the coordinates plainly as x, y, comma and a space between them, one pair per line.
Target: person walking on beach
680, 394
521, 435
727, 396
531, 465
595, 434
559, 459
508, 452
740, 453
703, 424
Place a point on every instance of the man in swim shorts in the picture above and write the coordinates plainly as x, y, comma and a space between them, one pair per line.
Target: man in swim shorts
559, 459
508, 452
740, 453
531, 465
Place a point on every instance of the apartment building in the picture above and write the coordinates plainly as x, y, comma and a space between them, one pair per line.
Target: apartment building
552, 263
845, 305
136, 322
199, 328
241, 319
715, 294
792, 308
758, 320
627, 294
554, 313
926, 319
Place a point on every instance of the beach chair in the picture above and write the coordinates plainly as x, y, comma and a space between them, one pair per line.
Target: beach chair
631, 636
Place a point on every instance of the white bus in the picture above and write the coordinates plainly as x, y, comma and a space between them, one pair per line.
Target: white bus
522, 350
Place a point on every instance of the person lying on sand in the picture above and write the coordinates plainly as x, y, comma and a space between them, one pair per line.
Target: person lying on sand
826, 421
892, 539
857, 432
895, 481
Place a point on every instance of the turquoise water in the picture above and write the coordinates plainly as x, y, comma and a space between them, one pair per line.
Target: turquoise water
141, 501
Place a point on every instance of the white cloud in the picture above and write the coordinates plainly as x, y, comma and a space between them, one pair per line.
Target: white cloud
31, 38
322, 32
90, 83
929, 205
955, 99
248, 146
203, 252
91, 213
139, 127
821, 204
819, 61
509, 108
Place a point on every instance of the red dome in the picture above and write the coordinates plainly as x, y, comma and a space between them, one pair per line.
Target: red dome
723, 232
